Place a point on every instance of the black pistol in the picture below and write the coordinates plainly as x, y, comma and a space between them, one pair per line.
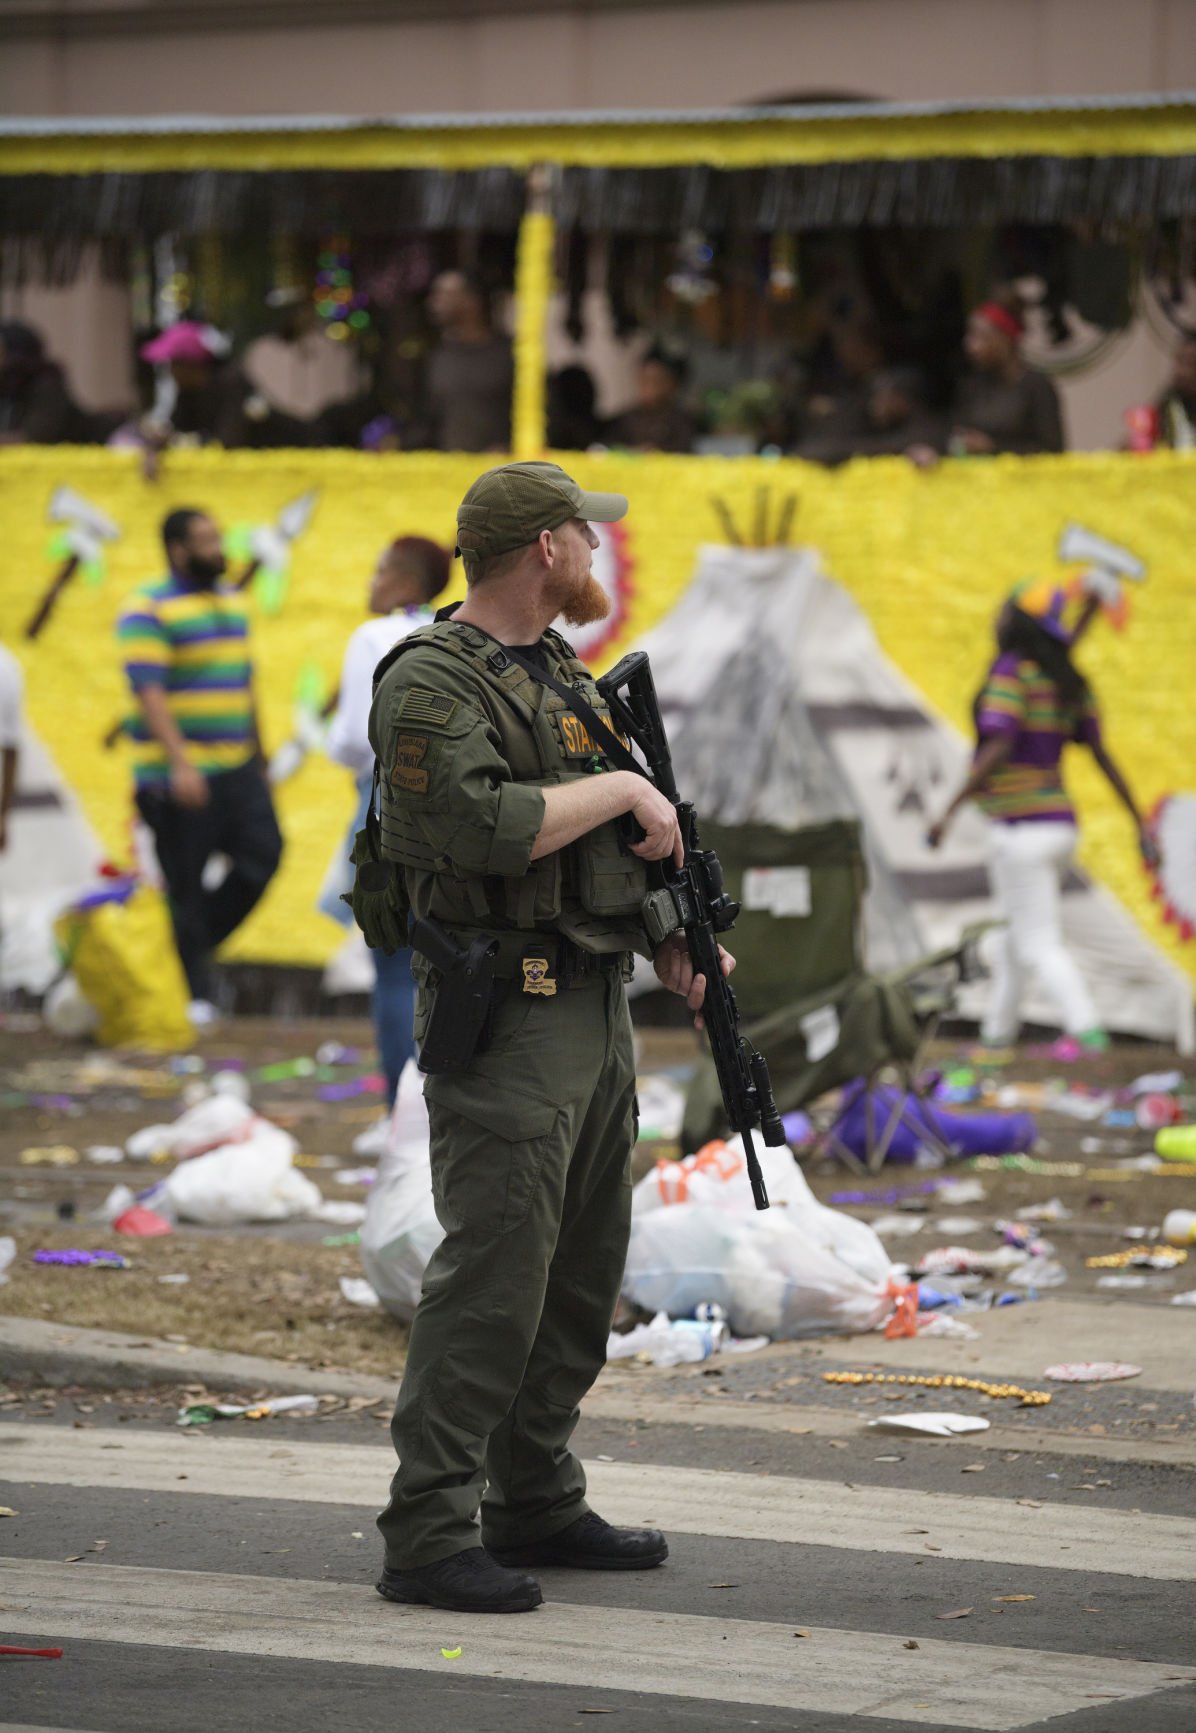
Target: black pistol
704, 910
458, 1026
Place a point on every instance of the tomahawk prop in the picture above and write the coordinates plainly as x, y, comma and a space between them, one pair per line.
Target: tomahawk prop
86, 529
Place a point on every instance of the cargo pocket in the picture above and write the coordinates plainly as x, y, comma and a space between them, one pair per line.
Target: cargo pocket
489, 1145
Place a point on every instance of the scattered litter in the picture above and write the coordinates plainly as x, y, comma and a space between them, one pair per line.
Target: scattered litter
1028, 1164
212, 1123
355, 1175
1038, 1273
1157, 1083
954, 1225
73, 1256
358, 1291
350, 1239
8, 1251
57, 1155
7, 1510
204, 1413
143, 1223
1176, 1142
1185, 1299
966, 1260
252, 1179
1139, 1258
1010, 1599
339, 1211
174, 1281
960, 1191
668, 1341
39, 1654
959, 1613
1055, 1210
896, 1227
1123, 1282
1179, 1227
943, 1324
1091, 1372
930, 1425
910, 1644
1153, 1112
451, 1654
893, 1194
103, 1154
943, 1381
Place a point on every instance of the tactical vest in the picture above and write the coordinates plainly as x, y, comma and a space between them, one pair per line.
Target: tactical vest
593, 891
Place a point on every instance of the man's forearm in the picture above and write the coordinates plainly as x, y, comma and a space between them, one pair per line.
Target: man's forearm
575, 808
162, 724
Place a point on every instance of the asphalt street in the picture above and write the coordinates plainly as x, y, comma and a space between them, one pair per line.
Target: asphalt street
221, 1579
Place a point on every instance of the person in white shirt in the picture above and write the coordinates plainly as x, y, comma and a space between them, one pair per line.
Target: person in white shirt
11, 687
410, 573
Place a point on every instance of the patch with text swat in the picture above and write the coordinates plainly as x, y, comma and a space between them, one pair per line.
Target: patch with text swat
432, 709
407, 772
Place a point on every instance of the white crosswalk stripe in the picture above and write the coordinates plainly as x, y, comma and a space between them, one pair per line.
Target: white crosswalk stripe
684, 1500
751, 1663
666, 1654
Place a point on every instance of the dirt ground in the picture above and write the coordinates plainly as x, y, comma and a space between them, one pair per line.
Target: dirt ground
273, 1289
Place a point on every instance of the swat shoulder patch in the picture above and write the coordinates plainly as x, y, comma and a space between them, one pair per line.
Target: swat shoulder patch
408, 771
429, 709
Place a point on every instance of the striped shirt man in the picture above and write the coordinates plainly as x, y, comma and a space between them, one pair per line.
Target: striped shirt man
1018, 699
194, 644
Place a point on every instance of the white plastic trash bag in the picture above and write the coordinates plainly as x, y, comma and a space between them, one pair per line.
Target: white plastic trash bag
253, 1181
717, 1175
678, 1258
852, 1242
783, 1284
210, 1124
798, 1269
400, 1231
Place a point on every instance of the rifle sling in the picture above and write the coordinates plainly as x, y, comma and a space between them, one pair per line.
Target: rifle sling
600, 731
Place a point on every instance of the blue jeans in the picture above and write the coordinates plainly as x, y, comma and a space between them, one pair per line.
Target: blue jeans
394, 1014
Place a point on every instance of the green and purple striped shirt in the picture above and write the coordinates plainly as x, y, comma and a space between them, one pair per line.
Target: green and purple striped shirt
1020, 700
195, 645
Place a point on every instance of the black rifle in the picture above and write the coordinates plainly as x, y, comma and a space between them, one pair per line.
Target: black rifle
704, 910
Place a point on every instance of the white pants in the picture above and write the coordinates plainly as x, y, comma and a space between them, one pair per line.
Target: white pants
1026, 868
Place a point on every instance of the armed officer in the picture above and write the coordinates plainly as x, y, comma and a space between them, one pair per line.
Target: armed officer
502, 811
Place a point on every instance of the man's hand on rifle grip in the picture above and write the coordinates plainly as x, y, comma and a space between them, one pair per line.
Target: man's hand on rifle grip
675, 971
657, 818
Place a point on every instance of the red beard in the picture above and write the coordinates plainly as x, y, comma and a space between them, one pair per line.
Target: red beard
579, 602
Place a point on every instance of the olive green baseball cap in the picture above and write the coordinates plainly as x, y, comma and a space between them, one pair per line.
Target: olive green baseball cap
508, 507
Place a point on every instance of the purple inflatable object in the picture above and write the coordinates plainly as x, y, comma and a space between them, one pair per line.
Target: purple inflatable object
963, 1133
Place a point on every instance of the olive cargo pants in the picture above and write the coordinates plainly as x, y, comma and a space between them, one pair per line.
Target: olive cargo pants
531, 1154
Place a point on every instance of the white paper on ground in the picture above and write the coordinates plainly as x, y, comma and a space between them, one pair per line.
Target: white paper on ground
934, 1425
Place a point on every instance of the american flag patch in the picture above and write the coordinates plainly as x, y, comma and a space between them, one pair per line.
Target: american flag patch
432, 709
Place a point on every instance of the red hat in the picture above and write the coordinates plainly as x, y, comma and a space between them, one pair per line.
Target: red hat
1002, 319
186, 341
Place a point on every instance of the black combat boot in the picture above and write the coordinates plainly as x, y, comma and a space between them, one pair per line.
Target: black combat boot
590, 1544
468, 1582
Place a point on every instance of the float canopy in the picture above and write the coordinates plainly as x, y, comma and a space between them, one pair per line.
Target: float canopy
1113, 161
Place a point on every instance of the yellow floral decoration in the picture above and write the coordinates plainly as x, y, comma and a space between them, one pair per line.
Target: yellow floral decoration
928, 556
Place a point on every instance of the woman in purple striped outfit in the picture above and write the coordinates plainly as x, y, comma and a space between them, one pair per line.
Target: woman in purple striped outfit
1034, 701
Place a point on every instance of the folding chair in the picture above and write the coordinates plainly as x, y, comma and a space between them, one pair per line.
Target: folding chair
808, 1002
